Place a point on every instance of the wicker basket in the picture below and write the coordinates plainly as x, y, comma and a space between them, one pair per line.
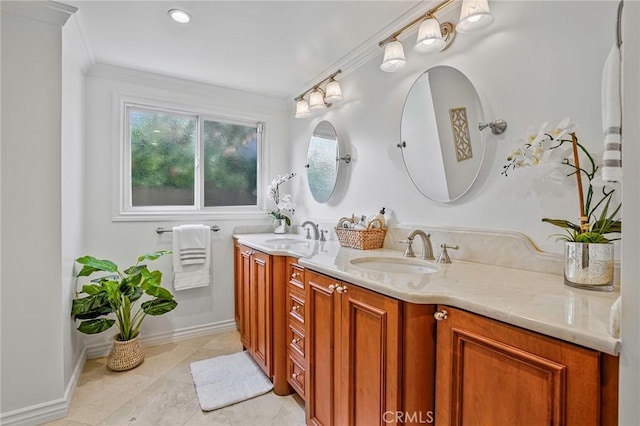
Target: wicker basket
125, 355
365, 239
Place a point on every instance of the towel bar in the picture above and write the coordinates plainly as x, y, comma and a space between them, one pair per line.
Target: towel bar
160, 230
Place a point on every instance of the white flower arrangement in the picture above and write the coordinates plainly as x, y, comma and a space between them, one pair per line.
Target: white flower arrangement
542, 146
284, 207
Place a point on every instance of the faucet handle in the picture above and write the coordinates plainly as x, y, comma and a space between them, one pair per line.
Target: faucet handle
444, 256
409, 250
322, 237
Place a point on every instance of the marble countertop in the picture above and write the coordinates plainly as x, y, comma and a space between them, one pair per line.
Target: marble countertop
532, 300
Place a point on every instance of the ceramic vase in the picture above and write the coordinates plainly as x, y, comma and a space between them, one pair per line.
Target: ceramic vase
589, 266
281, 226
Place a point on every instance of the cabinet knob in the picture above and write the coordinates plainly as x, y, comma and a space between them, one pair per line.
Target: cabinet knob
295, 341
295, 275
295, 375
341, 289
334, 287
295, 308
441, 315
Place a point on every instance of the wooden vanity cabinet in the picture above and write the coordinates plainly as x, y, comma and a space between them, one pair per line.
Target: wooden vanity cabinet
491, 373
355, 356
295, 338
254, 304
259, 304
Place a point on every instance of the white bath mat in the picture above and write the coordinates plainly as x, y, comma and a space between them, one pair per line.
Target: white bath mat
228, 379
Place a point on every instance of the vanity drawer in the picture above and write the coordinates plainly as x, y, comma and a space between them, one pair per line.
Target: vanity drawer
295, 340
296, 374
295, 305
296, 274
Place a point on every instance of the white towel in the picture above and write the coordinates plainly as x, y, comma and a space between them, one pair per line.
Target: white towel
192, 242
612, 117
191, 256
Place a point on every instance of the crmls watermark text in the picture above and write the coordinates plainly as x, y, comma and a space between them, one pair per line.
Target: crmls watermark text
401, 417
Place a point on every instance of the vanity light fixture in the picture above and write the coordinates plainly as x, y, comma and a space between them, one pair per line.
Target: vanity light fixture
474, 15
319, 98
393, 56
432, 35
180, 16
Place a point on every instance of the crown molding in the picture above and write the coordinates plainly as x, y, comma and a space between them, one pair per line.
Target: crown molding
49, 12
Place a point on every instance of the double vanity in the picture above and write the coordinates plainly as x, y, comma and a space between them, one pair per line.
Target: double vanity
373, 337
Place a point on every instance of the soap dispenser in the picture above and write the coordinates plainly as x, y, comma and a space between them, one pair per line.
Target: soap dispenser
380, 217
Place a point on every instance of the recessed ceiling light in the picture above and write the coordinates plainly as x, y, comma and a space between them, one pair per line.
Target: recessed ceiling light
180, 16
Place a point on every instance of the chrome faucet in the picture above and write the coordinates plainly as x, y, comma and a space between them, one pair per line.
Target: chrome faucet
427, 249
316, 232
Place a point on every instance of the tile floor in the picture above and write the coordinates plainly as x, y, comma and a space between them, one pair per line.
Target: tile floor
161, 392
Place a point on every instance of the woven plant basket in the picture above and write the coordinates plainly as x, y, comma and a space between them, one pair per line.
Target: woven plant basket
125, 355
366, 239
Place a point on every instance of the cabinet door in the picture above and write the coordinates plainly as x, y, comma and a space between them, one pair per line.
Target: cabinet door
244, 297
261, 310
370, 372
322, 345
490, 373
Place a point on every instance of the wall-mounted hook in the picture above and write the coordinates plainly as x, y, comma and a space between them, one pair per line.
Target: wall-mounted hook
497, 127
346, 158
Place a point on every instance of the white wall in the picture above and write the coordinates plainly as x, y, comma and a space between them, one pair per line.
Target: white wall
539, 61
32, 344
125, 241
74, 60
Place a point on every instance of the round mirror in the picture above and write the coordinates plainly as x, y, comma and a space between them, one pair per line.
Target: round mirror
322, 161
442, 147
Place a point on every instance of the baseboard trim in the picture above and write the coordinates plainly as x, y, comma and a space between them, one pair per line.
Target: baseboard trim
103, 349
50, 410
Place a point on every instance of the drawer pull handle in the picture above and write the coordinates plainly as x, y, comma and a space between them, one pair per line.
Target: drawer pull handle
295, 341
333, 287
441, 315
295, 275
341, 289
295, 375
295, 308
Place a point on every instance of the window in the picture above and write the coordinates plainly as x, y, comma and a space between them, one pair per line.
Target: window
180, 162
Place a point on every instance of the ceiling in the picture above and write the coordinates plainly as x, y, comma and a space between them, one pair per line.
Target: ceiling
273, 48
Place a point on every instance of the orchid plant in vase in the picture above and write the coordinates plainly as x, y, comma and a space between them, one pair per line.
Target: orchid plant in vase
597, 215
284, 208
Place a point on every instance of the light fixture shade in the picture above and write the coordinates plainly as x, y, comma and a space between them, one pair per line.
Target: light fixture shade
316, 100
429, 36
393, 57
333, 91
302, 109
180, 16
474, 15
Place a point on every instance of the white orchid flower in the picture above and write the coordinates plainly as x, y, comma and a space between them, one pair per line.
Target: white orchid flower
564, 127
536, 136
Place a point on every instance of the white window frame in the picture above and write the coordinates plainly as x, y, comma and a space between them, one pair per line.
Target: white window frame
125, 211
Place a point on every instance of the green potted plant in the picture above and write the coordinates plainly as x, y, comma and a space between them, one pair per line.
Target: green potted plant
118, 292
588, 249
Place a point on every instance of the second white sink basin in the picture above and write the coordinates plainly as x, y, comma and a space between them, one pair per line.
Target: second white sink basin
396, 265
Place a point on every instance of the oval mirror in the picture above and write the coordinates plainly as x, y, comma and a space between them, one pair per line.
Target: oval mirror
322, 161
442, 147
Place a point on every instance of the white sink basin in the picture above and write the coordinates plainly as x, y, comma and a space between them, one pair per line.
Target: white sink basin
396, 265
287, 240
